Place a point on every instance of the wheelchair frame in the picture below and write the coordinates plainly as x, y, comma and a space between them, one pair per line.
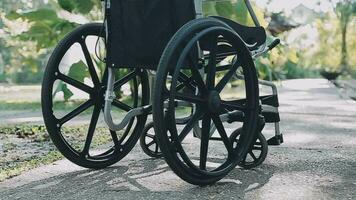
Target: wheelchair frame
186, 50
110, 96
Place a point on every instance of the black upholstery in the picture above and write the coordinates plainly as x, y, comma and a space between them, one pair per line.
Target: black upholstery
140, 29
251, 35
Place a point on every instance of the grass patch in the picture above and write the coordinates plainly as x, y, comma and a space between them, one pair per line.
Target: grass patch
13, 162
57, 105
9, 105
23, 105
18, 168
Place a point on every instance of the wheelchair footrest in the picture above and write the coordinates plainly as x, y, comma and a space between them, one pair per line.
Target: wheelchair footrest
276, 140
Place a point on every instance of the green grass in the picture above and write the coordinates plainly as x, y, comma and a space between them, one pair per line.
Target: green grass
20, 167
6, 105
58, 105
23, 105
38, 134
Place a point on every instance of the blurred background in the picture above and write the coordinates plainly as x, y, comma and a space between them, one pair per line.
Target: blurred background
318, 36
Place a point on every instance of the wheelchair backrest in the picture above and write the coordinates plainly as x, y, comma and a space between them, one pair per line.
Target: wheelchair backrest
140, 29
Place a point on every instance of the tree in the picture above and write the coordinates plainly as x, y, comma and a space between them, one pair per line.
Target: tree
344, 10
36, 25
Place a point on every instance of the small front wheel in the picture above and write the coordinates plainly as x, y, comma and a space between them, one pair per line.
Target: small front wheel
257, 152
148, 142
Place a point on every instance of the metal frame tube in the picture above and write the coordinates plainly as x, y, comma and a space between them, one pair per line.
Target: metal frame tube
109, 98
252, 13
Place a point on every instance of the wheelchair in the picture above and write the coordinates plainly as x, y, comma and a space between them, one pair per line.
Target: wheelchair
195, 75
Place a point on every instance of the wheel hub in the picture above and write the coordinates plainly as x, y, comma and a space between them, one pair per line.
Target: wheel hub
214, 101
99, 95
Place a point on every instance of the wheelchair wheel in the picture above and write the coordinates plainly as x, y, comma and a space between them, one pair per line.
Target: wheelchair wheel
204, 160
257, 152
73, 92
148, 142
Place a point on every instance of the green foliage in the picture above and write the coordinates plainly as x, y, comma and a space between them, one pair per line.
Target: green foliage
46, 27
78, 6
234, 10
78, 71
62, 87
327, 55
42, 14
32, 30
25, 52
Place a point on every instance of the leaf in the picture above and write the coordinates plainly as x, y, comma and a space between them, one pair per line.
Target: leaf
77, 6
79, 71
293, 57
62, 87
42, 14
84, 6
225, 9
242, 14
68, 5
66, 92
12, 15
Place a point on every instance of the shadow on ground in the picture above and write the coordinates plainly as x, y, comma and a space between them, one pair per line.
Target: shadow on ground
144, 179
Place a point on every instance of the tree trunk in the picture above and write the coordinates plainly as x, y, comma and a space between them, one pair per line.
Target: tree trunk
344, 63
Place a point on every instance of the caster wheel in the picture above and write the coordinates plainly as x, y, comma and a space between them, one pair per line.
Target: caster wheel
256, 154
148, 142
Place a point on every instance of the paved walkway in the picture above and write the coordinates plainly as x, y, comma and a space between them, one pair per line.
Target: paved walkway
317, 161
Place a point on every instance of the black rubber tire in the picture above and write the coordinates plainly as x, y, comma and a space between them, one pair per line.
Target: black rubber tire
117, 152
259, 145
146, 147
187, 173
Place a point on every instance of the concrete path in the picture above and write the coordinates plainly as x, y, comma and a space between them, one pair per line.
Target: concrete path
317, 161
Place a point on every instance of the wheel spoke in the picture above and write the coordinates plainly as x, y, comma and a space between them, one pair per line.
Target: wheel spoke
252, 155
185, 81
204, 142
125, 79
114, 138
189, 98
150, 136
90, 64
121, 105
234, 105
257, 148
221, 130
151, 143
83, 107
156, 148
197, 77
244, 159
74, 83
91, 130
191, 123
221, 85
211, 70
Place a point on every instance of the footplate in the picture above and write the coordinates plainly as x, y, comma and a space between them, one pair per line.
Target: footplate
276, 140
